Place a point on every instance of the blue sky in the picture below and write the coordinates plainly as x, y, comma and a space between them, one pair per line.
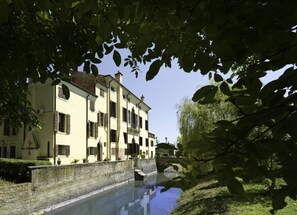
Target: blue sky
162, 93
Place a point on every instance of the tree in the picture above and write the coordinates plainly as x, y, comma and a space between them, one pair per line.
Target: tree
195, 122
43, 39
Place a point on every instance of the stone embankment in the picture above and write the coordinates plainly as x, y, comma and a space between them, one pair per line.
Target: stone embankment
55, 186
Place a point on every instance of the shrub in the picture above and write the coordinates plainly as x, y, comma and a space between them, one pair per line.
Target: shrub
17, 170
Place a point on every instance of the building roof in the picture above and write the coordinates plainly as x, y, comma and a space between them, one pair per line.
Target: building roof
151, 135
88, 82
109, 76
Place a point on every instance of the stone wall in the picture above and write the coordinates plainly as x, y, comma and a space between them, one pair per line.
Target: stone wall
148, 166
55, 186
52, 185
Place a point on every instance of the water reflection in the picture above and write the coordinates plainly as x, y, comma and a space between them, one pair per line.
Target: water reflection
138, 198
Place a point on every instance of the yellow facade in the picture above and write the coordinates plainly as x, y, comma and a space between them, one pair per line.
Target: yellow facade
99, 121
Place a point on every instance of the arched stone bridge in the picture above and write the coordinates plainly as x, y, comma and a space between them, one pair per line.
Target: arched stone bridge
162, 161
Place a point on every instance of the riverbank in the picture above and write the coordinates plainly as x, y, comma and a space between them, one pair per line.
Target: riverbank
208, 198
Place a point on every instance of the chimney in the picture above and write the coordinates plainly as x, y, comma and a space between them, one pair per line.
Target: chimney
119, 77
142, 98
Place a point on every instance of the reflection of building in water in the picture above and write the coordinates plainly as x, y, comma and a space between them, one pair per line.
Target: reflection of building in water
137, 198
130, 199
141, 202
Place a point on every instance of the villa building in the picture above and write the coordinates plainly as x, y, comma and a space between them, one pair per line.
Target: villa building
102, 120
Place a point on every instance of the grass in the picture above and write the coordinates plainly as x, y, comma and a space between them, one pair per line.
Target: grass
208, 198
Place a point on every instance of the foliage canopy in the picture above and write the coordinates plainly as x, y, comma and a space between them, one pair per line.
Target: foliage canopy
43, 39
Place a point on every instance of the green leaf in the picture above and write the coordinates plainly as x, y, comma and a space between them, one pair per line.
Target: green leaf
153, 70
188, 60
96, 60
66, 91
202, 92
229, 81
236, 188
87, 67
108, 49
278, 199
4, 11
120, 46
94, 69
117, 57
217, 78
56, 82
224, 87
209, 76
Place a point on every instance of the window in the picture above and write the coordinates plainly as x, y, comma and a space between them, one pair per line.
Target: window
112, 88
100, 119
113, 109
146, 152
125, 137
124, 115
92, 105
92, 150
12, 151
134, 119
140, 122
140, 141
146, 142
8, 130
129, 117
105, 120
63, 150
113, 135
152, 143
113, 151
146, 125
102, 93
92, 129
62, 122
124, 96
60, 93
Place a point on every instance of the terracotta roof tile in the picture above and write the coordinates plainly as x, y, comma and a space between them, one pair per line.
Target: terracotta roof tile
86, 81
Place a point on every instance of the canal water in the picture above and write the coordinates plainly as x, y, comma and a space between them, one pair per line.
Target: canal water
135, 198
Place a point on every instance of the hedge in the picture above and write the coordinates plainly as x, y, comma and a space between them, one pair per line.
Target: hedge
16, 170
